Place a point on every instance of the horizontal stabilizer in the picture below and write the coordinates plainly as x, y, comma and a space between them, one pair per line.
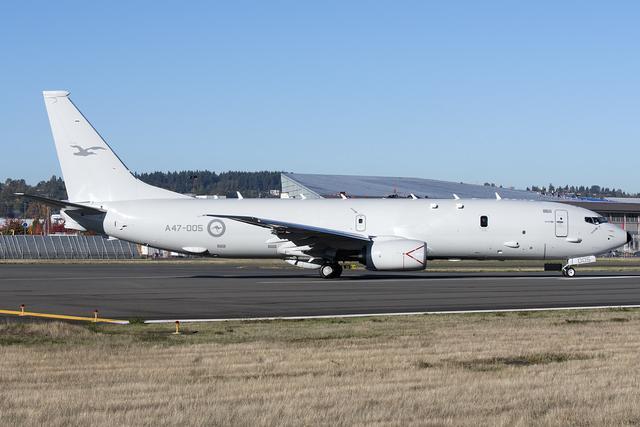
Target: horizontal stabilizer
61, 204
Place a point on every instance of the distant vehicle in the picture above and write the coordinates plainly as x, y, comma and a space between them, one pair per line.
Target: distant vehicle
383, 234
636, 253
611, 254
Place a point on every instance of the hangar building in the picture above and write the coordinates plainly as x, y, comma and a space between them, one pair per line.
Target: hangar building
328, 186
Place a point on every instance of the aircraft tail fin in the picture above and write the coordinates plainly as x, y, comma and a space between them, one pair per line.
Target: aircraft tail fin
92, 171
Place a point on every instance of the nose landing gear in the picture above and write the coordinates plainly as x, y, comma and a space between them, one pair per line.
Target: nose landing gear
569, 271
330, 270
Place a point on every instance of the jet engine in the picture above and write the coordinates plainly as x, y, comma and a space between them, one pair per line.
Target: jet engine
396, 254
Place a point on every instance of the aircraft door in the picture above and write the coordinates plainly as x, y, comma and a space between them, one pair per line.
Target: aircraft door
361, 222
562, 223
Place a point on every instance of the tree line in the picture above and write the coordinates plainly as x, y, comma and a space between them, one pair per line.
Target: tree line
204, 182
594, 191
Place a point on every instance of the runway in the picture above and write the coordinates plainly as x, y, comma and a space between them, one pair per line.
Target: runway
202, 291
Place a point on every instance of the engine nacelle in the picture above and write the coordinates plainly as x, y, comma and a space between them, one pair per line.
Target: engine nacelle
397, 254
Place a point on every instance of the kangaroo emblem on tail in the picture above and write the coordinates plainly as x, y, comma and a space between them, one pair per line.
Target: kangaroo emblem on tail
84, 152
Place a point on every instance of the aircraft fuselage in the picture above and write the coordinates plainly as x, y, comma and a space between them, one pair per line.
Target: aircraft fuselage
510, 229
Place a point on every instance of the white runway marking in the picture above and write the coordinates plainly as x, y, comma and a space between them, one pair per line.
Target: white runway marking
50, 279
598, 277
412, 313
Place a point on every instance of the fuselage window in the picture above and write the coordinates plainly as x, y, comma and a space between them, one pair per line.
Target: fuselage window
484, 221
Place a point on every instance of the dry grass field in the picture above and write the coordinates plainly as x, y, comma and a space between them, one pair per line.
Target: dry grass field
550, 368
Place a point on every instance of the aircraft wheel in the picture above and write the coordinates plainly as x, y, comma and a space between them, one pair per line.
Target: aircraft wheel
330, 271
326, 271
569, 272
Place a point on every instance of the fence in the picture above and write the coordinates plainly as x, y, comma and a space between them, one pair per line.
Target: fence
65, 247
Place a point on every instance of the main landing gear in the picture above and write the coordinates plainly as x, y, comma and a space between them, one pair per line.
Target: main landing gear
330, 270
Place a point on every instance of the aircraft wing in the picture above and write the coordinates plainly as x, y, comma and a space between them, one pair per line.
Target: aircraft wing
316, 237
62, 204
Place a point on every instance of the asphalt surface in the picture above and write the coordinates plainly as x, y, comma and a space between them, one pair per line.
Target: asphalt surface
193, 291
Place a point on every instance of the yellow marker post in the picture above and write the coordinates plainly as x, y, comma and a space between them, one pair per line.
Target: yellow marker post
95, 315
177, 332
21, 309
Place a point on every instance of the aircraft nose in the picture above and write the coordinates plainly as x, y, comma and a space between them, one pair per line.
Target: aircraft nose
629, 237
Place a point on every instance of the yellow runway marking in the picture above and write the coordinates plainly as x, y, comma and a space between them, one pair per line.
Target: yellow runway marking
63, 317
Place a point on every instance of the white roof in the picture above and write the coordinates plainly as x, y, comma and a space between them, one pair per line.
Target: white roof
624, 199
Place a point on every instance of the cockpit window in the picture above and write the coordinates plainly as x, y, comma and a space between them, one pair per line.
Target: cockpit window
597, 220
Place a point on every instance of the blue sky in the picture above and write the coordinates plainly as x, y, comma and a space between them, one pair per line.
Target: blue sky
516, 93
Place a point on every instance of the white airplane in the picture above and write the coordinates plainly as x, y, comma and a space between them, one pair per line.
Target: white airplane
383, 234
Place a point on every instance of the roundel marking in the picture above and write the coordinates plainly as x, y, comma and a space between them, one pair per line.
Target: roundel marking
216, 228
